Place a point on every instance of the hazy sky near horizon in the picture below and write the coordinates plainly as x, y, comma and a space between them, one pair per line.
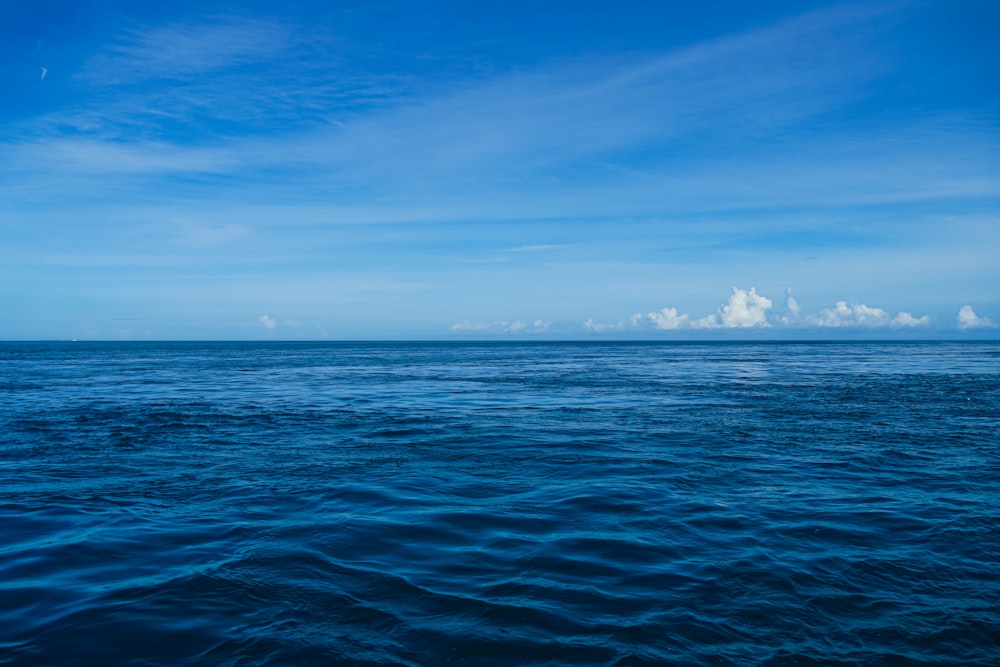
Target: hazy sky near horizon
459, 169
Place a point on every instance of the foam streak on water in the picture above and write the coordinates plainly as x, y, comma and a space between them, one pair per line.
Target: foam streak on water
499, 504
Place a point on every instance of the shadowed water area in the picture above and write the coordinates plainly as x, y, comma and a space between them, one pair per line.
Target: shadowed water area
499, 504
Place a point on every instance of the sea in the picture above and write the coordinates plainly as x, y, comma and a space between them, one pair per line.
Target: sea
500, 503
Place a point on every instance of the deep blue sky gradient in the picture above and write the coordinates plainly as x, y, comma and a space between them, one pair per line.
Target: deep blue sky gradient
457, 169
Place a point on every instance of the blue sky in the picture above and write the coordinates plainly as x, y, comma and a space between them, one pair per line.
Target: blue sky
499, 169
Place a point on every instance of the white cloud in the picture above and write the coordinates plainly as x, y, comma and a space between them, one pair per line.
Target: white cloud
792, 309
861, 315
791, 304
591, 325
515, 327
834, 317
470, 326
905, 319
745, 309
632, 322
268, 321
967, 319
667, 318
870, 316
842, 315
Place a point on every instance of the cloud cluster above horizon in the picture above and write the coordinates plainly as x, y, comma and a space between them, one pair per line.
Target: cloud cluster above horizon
748, 309
423, 170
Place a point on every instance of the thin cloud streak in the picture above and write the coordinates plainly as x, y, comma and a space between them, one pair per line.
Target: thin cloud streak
482, 143
186, 50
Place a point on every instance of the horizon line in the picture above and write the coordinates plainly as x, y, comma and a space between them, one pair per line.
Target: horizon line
504, 340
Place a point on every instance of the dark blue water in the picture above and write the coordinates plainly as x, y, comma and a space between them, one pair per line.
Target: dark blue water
500, 504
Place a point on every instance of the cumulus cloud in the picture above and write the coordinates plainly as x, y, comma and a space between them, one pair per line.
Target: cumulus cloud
905, 319
967, 319
667, 318
861, 315
268, 321
745, 309
842, 315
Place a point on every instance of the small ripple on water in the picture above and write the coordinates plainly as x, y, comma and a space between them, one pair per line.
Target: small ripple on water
500, 505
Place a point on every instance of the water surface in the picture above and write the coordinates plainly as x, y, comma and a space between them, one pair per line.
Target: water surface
499, 504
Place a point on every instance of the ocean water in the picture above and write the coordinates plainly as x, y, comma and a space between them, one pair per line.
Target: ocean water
499, 504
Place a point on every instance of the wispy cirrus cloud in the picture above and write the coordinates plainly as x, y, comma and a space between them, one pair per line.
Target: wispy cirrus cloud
187, 49
476, 142
224, 146
215, 80
540, 247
